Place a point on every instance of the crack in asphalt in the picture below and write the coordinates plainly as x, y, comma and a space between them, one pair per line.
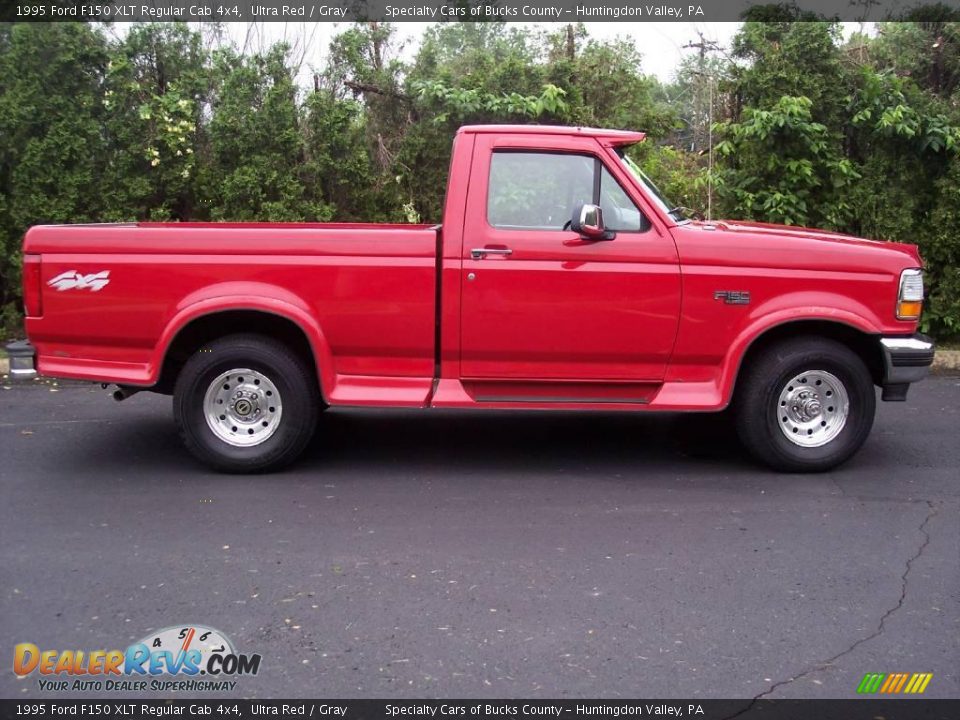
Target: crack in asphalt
837, 485
934, 508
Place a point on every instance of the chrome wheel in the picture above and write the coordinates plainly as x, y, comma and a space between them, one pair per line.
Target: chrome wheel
813, 408
242, 407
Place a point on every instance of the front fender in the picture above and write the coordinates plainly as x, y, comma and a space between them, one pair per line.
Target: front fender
793, 308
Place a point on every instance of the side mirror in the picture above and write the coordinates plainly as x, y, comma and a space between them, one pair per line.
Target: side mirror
588, 221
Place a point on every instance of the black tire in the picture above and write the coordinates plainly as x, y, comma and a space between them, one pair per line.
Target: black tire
288, 373
757, 404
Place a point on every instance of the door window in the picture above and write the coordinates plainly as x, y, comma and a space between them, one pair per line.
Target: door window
537, 190
541, 191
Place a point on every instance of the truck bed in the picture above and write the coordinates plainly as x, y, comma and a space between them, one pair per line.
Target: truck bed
370, 287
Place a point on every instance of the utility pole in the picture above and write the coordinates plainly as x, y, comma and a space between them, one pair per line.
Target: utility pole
703, 89
705, 76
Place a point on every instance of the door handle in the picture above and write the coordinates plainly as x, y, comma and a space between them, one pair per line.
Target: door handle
481, 253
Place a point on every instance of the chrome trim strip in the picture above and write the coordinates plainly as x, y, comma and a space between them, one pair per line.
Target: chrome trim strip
915, 355
908, 343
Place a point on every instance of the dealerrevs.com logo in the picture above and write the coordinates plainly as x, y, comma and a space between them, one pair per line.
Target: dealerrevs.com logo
187, 658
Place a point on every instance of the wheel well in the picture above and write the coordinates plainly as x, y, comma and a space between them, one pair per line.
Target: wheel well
863, 344
207, 328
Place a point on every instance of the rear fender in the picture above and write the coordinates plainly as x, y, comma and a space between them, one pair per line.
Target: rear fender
261, 297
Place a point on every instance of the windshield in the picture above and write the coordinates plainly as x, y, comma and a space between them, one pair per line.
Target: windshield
674, 211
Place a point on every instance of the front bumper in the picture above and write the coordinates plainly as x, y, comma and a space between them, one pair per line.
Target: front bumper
905, 360
22, 360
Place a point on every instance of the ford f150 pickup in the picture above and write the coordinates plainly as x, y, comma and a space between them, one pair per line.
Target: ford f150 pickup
561, 278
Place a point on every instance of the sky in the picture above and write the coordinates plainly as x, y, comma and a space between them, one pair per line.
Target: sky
661, 43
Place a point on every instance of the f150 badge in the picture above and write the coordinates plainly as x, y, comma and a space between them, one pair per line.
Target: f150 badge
73, 280
733, 297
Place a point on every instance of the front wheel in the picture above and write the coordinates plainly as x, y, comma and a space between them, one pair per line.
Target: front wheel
805, 405
246, 403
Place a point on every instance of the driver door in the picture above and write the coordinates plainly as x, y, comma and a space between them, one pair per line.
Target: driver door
539, 303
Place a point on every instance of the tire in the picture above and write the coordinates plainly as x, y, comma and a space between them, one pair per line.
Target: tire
246, 403
799, 388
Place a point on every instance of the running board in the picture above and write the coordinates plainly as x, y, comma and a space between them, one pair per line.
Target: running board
560, 391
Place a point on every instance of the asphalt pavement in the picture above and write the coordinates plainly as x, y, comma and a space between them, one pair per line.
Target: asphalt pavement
441, 554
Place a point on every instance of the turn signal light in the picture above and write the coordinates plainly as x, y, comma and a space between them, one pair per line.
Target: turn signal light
910, 299
909, 310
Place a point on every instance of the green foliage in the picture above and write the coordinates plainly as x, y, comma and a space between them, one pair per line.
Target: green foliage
51, 145
941, 251
336, 160
799, 59
613, 92
256, 146
679, 175
784, 167
861, 136
462, 103
155, 85
11, 323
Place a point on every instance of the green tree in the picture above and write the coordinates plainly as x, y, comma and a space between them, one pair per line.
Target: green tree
256, 145
338, 172
799, 59
51, 144
784, 167
157, 83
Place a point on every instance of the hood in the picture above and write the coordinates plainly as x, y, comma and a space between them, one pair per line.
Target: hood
767, 245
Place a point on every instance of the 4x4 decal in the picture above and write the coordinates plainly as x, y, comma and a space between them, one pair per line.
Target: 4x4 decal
73, 280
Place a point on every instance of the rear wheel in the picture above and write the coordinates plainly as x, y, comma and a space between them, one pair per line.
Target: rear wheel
805, 405
246, 403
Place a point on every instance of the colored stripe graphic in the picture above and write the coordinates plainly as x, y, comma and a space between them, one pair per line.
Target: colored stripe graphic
918, 683
893, 683
890, 682
870, 683
914, 681
903, 679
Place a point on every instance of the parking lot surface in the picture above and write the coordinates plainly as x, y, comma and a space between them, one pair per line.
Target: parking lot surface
442, 554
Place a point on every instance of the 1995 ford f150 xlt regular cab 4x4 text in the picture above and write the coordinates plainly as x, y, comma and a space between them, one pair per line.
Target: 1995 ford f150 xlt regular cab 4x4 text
560, 279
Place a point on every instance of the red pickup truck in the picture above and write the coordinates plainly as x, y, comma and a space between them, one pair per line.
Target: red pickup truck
561, 278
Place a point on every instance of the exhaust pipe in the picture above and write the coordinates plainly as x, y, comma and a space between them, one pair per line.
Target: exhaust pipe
124, 391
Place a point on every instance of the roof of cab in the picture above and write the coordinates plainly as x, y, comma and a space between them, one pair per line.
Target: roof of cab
610, 137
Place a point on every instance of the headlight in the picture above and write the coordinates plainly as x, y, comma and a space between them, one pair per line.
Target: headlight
910, 299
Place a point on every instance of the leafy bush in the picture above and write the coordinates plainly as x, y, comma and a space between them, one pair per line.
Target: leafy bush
11, 322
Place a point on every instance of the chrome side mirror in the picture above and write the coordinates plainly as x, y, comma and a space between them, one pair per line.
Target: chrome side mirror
588, 221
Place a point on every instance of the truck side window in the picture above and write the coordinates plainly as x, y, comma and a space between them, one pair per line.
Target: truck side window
540, 190
619, 212
537, 190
